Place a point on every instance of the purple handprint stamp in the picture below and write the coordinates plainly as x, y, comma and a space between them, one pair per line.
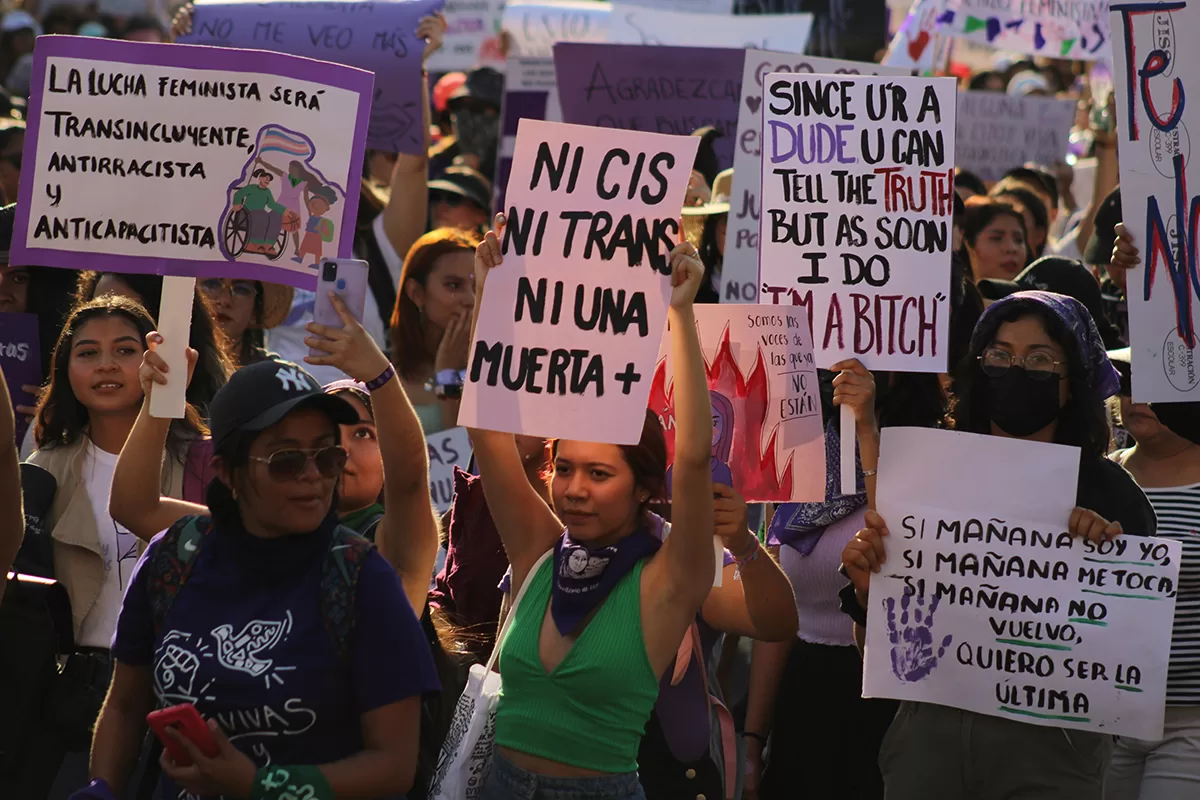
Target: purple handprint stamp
913, 655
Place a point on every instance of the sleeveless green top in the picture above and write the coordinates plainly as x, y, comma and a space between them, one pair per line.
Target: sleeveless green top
591, 710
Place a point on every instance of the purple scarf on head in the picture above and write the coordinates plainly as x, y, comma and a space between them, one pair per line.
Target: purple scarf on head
584, 576
800, 525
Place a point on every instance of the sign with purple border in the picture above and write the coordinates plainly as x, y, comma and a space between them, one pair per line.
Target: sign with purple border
378, 37
652, 88
194, 161
20, 361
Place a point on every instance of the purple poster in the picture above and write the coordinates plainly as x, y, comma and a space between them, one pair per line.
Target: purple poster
21, 360
378, 37
652, 88
194, 161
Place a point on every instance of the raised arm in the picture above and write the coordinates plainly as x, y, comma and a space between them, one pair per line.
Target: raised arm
526, 524
12, 518
136, 501
407, 536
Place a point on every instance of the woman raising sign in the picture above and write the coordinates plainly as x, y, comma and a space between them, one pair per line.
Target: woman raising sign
586, 649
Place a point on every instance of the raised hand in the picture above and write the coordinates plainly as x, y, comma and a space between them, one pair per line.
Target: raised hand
487, 254
1090, 525
854, 386
911, 637
686, 274
181, 25
1125, 257
864, 554
351, 349
154, 369
433, 30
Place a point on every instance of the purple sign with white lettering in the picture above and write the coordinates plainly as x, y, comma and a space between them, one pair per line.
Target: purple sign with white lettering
20, 360
652, 88
378, 37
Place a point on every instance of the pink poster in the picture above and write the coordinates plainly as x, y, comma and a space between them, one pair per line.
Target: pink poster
571, 321
768, 437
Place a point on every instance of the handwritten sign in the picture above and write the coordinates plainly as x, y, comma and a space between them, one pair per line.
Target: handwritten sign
632, 24
721, 7
997, 132
534, 27
472, 36
191, 161
661, 89
377, 37
530, 92
987, 603
739, 271
1150, 69
1076, 30
768, 440
917, 44
857, 200
578, 307
447, 449
20, 361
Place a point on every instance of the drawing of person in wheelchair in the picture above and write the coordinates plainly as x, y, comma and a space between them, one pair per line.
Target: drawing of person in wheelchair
257, 222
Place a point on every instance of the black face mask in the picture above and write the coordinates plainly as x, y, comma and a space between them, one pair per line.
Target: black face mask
1020, 405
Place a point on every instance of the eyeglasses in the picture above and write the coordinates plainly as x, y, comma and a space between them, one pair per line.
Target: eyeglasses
1040, 366
240, 290
286, 465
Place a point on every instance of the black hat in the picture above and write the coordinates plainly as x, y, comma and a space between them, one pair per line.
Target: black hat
483, 84
1100, 246
1060, 275
466, 182
8, 216
259, 395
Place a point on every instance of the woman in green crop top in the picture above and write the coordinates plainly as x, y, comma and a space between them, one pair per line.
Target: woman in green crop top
603, 616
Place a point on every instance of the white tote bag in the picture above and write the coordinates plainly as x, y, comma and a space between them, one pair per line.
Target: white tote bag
466, 756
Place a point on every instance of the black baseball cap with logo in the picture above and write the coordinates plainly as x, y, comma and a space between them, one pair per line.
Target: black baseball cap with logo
259, 395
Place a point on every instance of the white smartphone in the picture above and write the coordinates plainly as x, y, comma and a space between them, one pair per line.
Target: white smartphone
347, 278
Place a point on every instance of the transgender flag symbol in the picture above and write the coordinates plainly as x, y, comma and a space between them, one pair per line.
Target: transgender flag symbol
275, 140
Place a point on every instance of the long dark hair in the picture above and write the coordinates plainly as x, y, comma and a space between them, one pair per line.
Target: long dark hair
61, 419
51, 297
1081, 422
710, 254
410, 353
216, 362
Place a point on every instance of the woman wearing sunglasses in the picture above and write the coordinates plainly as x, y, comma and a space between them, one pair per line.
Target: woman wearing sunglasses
1037, 370
290, 635
244, 309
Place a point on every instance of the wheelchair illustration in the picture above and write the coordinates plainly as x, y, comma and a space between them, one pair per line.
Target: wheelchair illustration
238, 227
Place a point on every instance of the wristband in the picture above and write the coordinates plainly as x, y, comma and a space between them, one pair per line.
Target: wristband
383, 378
746, 559
285, 783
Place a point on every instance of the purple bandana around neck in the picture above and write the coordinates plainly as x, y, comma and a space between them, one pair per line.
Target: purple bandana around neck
584, 576
800, 525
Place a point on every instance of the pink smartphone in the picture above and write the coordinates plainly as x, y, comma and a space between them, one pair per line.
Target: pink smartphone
347, 278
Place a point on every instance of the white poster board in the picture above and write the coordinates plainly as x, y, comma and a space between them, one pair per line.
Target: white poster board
472, 36
857, 207
632, 24
721, 7
1157, 175
996, 132
739, 270
534, 27
1077, 30
986, 603
447, 449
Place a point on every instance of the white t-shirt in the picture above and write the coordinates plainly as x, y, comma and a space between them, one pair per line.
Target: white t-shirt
118, 546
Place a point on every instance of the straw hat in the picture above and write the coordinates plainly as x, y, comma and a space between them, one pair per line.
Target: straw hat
277, 302
695, 217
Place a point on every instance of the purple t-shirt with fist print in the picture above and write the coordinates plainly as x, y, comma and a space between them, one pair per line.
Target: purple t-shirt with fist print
256, 657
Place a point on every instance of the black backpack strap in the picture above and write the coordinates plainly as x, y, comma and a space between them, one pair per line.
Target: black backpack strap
172, 563
339, 584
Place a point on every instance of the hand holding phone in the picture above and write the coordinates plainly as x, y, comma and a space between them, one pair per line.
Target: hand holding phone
185, 720
347, 278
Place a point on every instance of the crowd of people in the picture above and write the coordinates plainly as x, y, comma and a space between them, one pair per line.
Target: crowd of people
287, 575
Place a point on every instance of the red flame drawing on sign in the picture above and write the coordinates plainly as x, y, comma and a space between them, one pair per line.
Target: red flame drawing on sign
754, 471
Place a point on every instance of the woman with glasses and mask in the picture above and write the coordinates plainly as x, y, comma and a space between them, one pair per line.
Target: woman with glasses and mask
290, 634
243, 310
1036, 370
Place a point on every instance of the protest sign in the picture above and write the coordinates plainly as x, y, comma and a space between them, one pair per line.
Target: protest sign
21, 361
1076, 30
378, 37
1157, 171
534, 27
768, 440
530, 92
739, 270
472, 36
857, 204
917, 44
579, 304
192, 161
996, 132
633, 24
447, 449
720, 7
986, 603
660, 89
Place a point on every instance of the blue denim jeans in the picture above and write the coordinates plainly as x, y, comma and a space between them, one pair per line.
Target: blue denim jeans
507, 781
